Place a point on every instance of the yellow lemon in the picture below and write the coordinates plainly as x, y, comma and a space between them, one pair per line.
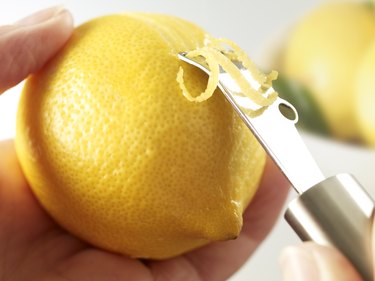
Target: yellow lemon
366, 96
118, 156
323, 53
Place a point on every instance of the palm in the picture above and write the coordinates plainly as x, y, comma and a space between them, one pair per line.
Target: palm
33, 247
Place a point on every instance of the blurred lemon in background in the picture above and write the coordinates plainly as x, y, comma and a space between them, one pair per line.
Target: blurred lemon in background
366, 96
117, 155
323, 54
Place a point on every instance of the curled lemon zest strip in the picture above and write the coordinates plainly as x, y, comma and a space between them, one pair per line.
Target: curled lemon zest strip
240, 55
216, 56
213, 79
272, 76
246, 88
264, 80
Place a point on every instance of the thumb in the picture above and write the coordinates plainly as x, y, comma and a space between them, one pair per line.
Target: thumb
28, 44
311, 262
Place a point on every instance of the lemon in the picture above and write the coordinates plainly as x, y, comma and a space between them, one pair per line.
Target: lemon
366, 97
323, 53
119, 157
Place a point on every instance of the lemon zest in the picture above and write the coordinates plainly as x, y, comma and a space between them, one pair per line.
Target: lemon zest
213, 79
246, 88
217, 56
240, 55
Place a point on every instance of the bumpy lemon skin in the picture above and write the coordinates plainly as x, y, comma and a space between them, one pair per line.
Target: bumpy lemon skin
323, 53
116, 154
365, 94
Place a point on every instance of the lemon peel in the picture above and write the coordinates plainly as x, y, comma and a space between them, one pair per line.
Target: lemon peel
216, 55
240, 55
213, 79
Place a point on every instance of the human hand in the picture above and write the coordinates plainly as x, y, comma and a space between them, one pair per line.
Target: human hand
310, 261
33, 247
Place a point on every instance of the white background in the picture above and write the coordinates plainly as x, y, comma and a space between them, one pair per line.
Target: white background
252, 24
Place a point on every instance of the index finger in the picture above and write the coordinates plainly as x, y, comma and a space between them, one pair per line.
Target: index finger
27, 45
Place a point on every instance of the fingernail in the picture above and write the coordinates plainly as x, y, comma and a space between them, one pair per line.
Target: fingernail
42, 16
298, 264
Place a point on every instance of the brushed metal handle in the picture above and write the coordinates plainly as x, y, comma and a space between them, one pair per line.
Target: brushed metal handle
337, 212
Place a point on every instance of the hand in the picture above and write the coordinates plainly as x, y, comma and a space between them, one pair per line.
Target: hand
310, 261
33, 247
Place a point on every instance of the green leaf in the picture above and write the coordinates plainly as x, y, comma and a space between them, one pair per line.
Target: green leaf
310, 116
